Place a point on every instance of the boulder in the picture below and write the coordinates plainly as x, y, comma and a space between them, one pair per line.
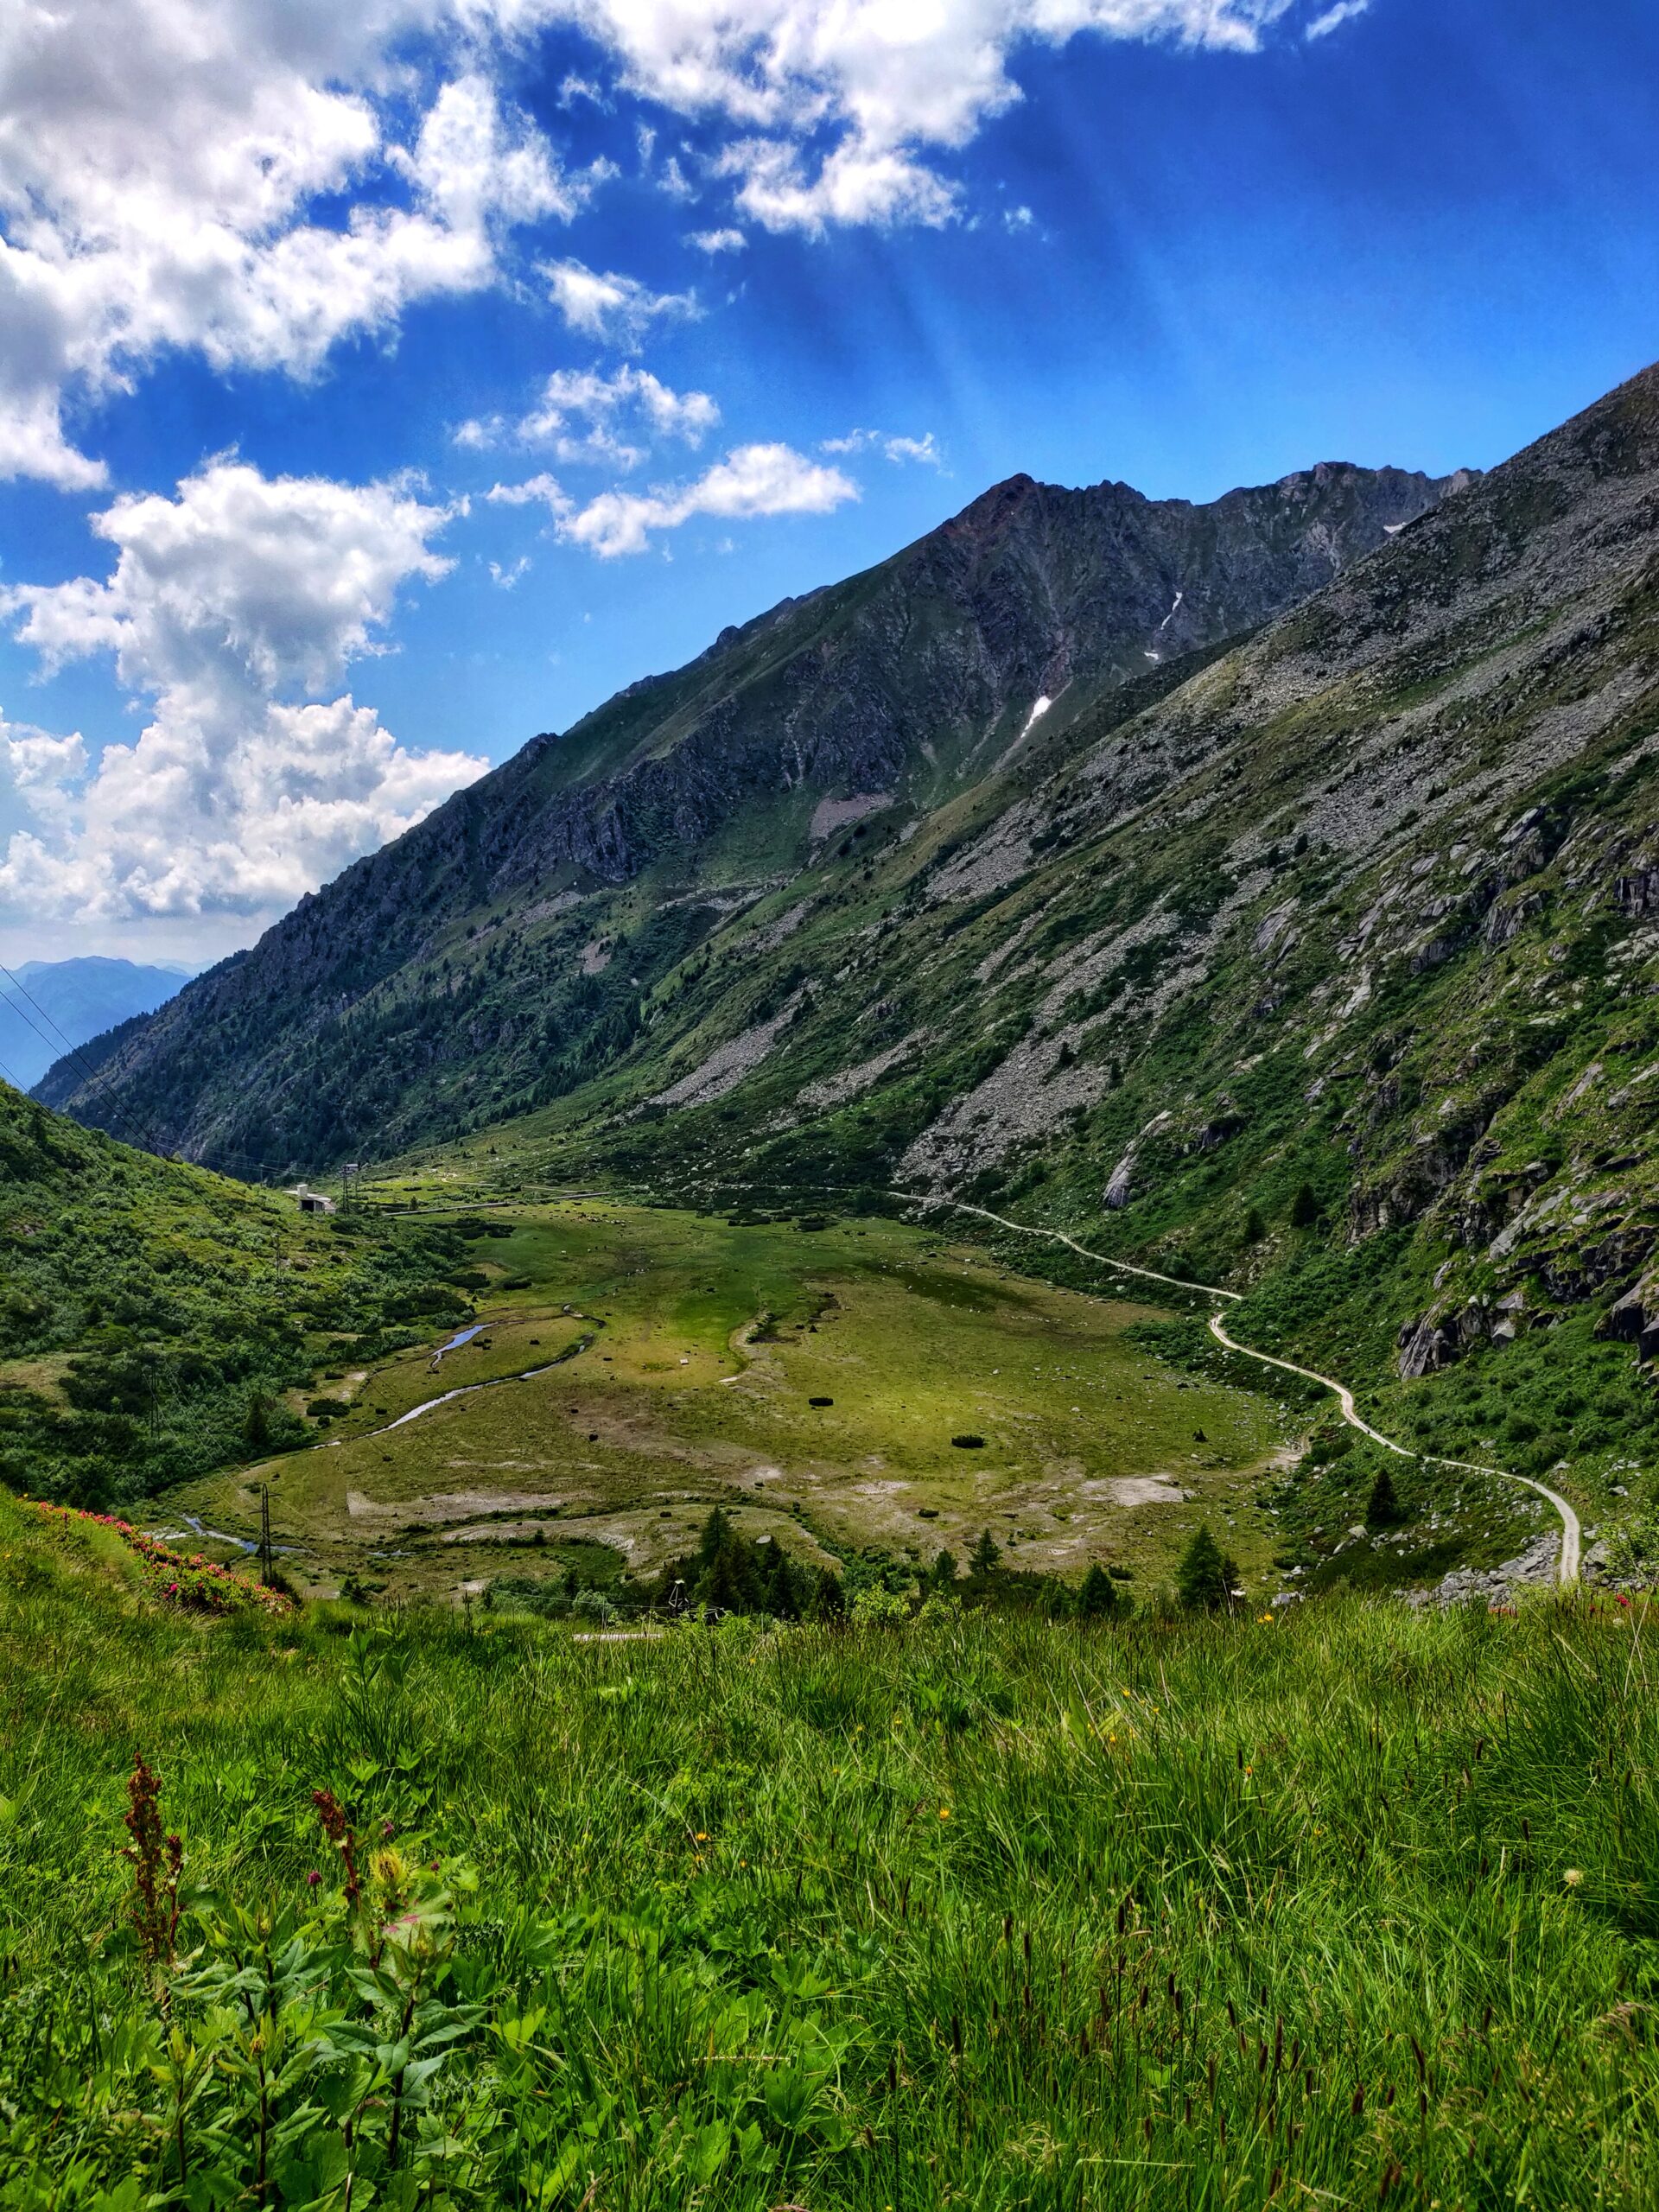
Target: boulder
1633, 1318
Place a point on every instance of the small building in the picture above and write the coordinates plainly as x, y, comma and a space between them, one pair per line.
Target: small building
312, 1201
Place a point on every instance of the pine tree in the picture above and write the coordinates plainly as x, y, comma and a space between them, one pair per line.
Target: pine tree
1098, 1599
944, 1571
1382, 1508
257, 1424
1205, 1576
982, 1559
1304, 1208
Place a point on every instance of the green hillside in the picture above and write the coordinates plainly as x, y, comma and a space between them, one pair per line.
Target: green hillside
157, 1320
1355, 1909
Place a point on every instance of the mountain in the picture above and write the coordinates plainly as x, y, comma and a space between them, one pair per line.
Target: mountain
493, 957
47, 1005
1323, 963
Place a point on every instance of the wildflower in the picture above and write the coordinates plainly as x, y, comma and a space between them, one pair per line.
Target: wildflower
945, 1812
1572, 1877
313, 1879
701, 1836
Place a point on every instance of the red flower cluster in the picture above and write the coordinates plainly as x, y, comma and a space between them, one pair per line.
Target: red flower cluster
196, 1584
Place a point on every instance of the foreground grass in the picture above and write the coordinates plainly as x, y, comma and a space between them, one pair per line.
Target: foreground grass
1361, 1906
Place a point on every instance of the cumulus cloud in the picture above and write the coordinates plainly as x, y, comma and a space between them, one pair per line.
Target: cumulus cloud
617, 309
925, 449
234, 799
884, 83
752, 481
163, 165
543, 490
711, 242
583, 416
256, 181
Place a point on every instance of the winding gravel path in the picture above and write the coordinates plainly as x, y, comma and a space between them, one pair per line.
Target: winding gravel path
1571, 1530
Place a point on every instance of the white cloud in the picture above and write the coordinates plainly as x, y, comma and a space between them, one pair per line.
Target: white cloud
546, 489
885, 81
163, 165
923, 449
256, 180
233, 799
618, 309
752, 481
583, 416
1334, 18
726, 241
504, 576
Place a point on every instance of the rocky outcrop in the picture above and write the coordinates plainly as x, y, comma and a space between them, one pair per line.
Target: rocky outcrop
1633, 1318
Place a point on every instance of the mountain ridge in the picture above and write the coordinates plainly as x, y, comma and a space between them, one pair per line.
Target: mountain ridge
897, 683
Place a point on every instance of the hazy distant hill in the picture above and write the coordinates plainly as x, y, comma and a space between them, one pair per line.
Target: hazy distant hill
73, 1002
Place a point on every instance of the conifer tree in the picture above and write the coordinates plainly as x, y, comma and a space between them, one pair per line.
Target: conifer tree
982, 1559
1382, 1508
1098, 1598
1204, 1577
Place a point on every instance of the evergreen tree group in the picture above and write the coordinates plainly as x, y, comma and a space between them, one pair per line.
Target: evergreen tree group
729, 1572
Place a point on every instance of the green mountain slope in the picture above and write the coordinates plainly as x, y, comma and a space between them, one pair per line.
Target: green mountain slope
1353, 929
494, 959
156, 1320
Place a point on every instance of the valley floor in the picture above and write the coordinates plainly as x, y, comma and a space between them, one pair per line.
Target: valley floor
637, 1366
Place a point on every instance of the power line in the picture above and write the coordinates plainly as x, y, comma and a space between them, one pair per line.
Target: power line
147, 1141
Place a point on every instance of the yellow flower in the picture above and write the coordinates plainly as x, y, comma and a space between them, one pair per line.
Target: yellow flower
945, 1812
701, 1836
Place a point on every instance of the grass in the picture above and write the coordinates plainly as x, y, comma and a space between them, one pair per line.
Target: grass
810, 1380
1357, 1907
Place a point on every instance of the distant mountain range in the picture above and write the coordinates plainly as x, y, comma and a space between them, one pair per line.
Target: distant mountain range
1184, 872
54, 1003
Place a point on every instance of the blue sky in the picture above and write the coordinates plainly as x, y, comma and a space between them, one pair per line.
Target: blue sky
719, 300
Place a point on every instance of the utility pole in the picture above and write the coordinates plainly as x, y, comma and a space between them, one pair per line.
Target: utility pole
264, 1533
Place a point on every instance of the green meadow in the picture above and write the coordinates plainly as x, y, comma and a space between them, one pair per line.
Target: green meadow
1353, 1908
643, 1365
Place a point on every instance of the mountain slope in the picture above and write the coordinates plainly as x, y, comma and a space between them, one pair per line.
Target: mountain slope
471, 960
1331, 972
152, 1314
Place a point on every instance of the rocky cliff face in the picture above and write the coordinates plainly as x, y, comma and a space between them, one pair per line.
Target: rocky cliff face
889, 693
